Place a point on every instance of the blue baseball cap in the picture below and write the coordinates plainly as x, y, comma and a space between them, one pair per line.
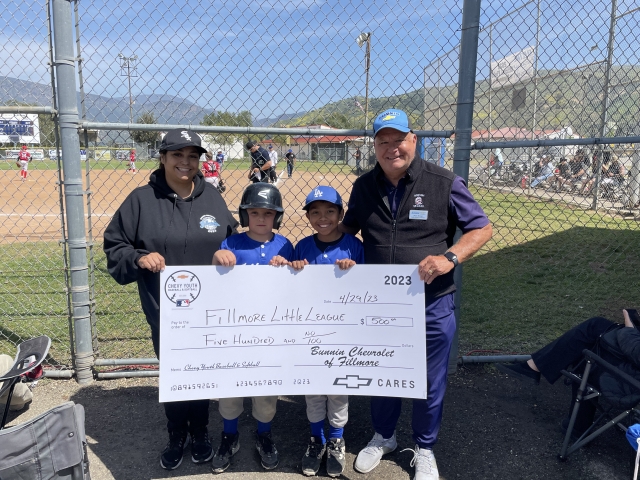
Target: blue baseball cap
326, 194
270, 146
395, 119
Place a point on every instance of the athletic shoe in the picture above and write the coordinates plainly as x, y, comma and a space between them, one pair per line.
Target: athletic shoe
335, 457
229, 446
201, 450
425, 463
313, 456
521, 371
267, 450
370, 456
171, 456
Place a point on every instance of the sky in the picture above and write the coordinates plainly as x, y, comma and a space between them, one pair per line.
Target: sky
284, 56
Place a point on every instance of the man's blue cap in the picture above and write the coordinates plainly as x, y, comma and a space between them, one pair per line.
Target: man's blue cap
270, 146
326, 194
290, 151
395, 119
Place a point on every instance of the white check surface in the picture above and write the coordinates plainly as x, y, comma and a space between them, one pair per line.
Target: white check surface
259, 330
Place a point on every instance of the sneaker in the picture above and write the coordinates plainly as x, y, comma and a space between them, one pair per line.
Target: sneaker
313, 456
520, 370
229, 446
201, 450
171, 456
425, 463
370, 456
335, 457
267, 450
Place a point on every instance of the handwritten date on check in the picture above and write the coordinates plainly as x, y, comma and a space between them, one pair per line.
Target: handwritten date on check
257, 330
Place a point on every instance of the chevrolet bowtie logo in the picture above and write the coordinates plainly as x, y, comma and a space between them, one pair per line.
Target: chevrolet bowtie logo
353, 381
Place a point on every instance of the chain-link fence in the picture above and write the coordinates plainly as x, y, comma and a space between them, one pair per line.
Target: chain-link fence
309, 77
33, 263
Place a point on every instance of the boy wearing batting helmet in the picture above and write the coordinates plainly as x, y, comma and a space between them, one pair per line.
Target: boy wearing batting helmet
261, 211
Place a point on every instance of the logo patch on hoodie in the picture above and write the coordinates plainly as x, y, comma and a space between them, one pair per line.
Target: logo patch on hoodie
209, 222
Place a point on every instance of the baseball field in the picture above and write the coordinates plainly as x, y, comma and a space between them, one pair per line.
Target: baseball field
548, 266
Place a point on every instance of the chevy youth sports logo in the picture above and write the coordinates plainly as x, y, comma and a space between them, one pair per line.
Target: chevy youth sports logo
182, 288
209, 223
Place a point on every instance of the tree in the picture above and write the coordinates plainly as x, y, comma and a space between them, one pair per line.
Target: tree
47, 130
227, 119
145, 136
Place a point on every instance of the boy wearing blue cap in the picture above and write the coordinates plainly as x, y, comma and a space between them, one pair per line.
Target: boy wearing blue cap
326, 247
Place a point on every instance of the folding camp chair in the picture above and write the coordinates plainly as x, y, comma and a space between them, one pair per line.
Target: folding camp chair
613, 411
30, 355
52, 445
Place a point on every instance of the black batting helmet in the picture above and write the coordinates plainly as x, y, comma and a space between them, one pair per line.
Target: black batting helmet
261, 195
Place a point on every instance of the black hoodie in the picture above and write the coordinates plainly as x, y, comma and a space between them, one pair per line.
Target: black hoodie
154, 218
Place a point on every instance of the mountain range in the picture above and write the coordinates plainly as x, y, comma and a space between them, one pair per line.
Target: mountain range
166, 108
559, 98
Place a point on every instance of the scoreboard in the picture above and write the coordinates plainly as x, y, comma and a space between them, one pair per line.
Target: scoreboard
19, 128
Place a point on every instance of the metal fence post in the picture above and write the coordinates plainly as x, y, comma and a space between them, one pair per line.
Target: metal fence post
64, 61
464, 119
605, 100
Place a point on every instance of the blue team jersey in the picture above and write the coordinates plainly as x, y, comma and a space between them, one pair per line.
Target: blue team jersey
250, 252
348, 247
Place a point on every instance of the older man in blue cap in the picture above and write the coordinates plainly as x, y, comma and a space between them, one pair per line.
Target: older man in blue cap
407, 211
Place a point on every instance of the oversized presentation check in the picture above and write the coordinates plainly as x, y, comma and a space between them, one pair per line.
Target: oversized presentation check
261, 330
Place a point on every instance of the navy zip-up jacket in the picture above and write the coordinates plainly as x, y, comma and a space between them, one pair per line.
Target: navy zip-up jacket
154, 218
402, 240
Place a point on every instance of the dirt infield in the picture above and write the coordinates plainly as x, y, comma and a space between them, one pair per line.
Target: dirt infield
30, 211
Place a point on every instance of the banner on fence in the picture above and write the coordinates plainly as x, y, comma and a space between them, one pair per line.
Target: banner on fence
261, 330
513, 68
35, 154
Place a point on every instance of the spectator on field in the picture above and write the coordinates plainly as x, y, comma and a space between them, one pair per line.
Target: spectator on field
562, 173
545, 170
612, 172
220, 158
496, 160
22, 395
567, 350
291, 161
358, 156
579, 166
615, 173
260, 162
273, 156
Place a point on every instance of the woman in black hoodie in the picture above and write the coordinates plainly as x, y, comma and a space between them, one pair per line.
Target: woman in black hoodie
177, 219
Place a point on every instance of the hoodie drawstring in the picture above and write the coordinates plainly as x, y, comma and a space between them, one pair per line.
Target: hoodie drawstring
175, 199
188, 223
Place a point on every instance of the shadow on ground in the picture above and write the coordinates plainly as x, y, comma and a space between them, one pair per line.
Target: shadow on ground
494, 427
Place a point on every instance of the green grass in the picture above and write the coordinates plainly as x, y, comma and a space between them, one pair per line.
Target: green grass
547, 268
